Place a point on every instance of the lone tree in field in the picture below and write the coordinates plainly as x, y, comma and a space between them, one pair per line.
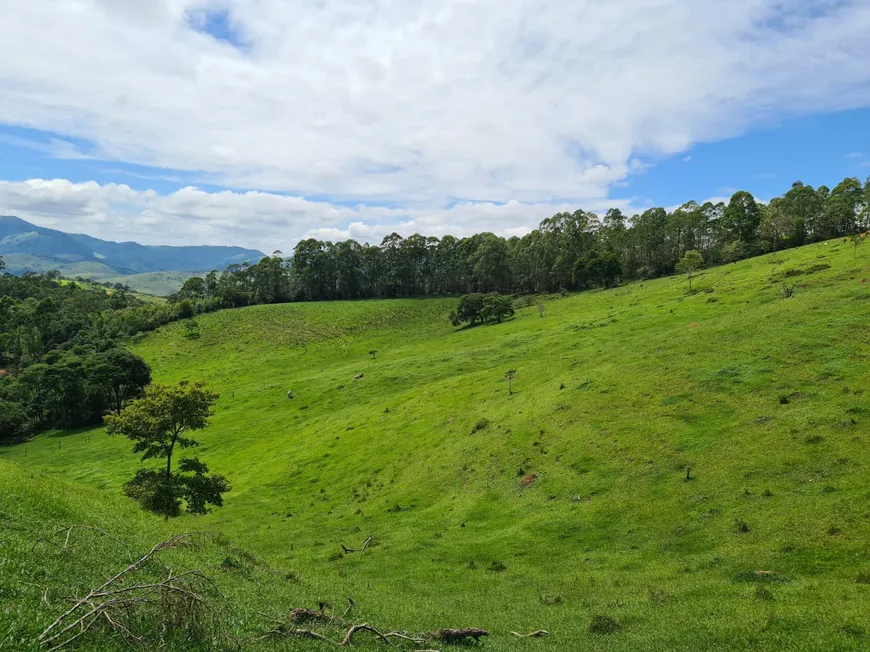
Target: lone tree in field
689, 264
510, 375
373, 353
159, 422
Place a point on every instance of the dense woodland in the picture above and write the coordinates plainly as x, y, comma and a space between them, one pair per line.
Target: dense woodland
62, 365
569, 251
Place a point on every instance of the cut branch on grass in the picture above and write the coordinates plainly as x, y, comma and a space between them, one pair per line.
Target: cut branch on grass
304, 615
364, 546
179, 601
68, 532
405, 637
457, 635
362, 627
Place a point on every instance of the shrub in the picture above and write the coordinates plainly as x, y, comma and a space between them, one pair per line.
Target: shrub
477, 308
525, 301
603, 625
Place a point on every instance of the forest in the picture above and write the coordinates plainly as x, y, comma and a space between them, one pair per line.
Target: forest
62, 363
568, 251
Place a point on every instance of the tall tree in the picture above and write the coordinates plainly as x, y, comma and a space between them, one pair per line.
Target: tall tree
122, 375
741, 218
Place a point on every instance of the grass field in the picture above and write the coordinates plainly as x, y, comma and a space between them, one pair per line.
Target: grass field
764, 399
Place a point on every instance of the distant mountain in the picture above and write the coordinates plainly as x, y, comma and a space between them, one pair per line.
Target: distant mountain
27, 247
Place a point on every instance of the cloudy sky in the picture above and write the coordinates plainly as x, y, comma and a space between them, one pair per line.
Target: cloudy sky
259, 122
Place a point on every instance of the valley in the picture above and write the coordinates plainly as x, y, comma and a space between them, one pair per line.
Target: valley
691, 467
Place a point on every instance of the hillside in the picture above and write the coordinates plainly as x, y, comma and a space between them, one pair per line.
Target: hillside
60, 539
27, 247
618, 392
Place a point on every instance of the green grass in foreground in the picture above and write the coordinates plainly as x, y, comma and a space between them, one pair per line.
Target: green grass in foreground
617, 392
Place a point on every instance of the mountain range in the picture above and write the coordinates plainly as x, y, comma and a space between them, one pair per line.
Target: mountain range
28, 247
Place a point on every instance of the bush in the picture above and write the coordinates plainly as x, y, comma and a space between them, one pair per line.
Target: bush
525, 301
477, 308
604, 625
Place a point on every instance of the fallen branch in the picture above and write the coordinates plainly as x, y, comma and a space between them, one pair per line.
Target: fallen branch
68, 531
404, 637
457, 635
119, 608
303, 615
349, 550
539, 633
348, 638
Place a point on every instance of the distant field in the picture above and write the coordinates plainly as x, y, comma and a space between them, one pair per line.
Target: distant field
763, 401
159, 284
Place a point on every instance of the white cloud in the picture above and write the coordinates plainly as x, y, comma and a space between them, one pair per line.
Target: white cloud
687, 159
256, 219
422, 100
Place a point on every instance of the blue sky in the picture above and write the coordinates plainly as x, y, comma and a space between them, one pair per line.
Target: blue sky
818, 150
261, 123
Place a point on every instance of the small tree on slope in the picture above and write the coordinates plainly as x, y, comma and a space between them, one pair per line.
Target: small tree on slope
159, 422
689, 264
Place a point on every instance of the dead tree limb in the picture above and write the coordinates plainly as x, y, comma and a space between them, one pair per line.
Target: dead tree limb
349, 550
405, 637
457, 635
118, 606
303, 615
348, 638
69, 531
539, 633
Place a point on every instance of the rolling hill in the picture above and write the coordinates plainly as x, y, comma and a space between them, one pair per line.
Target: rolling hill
673, 471
27, 247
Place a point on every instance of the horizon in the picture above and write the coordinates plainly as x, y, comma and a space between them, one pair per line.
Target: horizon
258, 125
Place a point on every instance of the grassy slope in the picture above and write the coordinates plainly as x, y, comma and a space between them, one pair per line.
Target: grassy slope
40, 569
654, 381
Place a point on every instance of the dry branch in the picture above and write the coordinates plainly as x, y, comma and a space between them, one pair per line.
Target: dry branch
404, 637
538, 633
68, 531
457, 635
175, 600
348, 638
364, 546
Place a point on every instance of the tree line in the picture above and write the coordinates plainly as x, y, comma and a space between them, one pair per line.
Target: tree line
568, 251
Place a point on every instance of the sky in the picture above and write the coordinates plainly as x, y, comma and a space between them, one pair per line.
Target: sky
262, 122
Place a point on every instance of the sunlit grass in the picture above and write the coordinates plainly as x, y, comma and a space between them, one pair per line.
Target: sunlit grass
617, 393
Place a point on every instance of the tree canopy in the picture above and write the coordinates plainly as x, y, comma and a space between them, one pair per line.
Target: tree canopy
158, 423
